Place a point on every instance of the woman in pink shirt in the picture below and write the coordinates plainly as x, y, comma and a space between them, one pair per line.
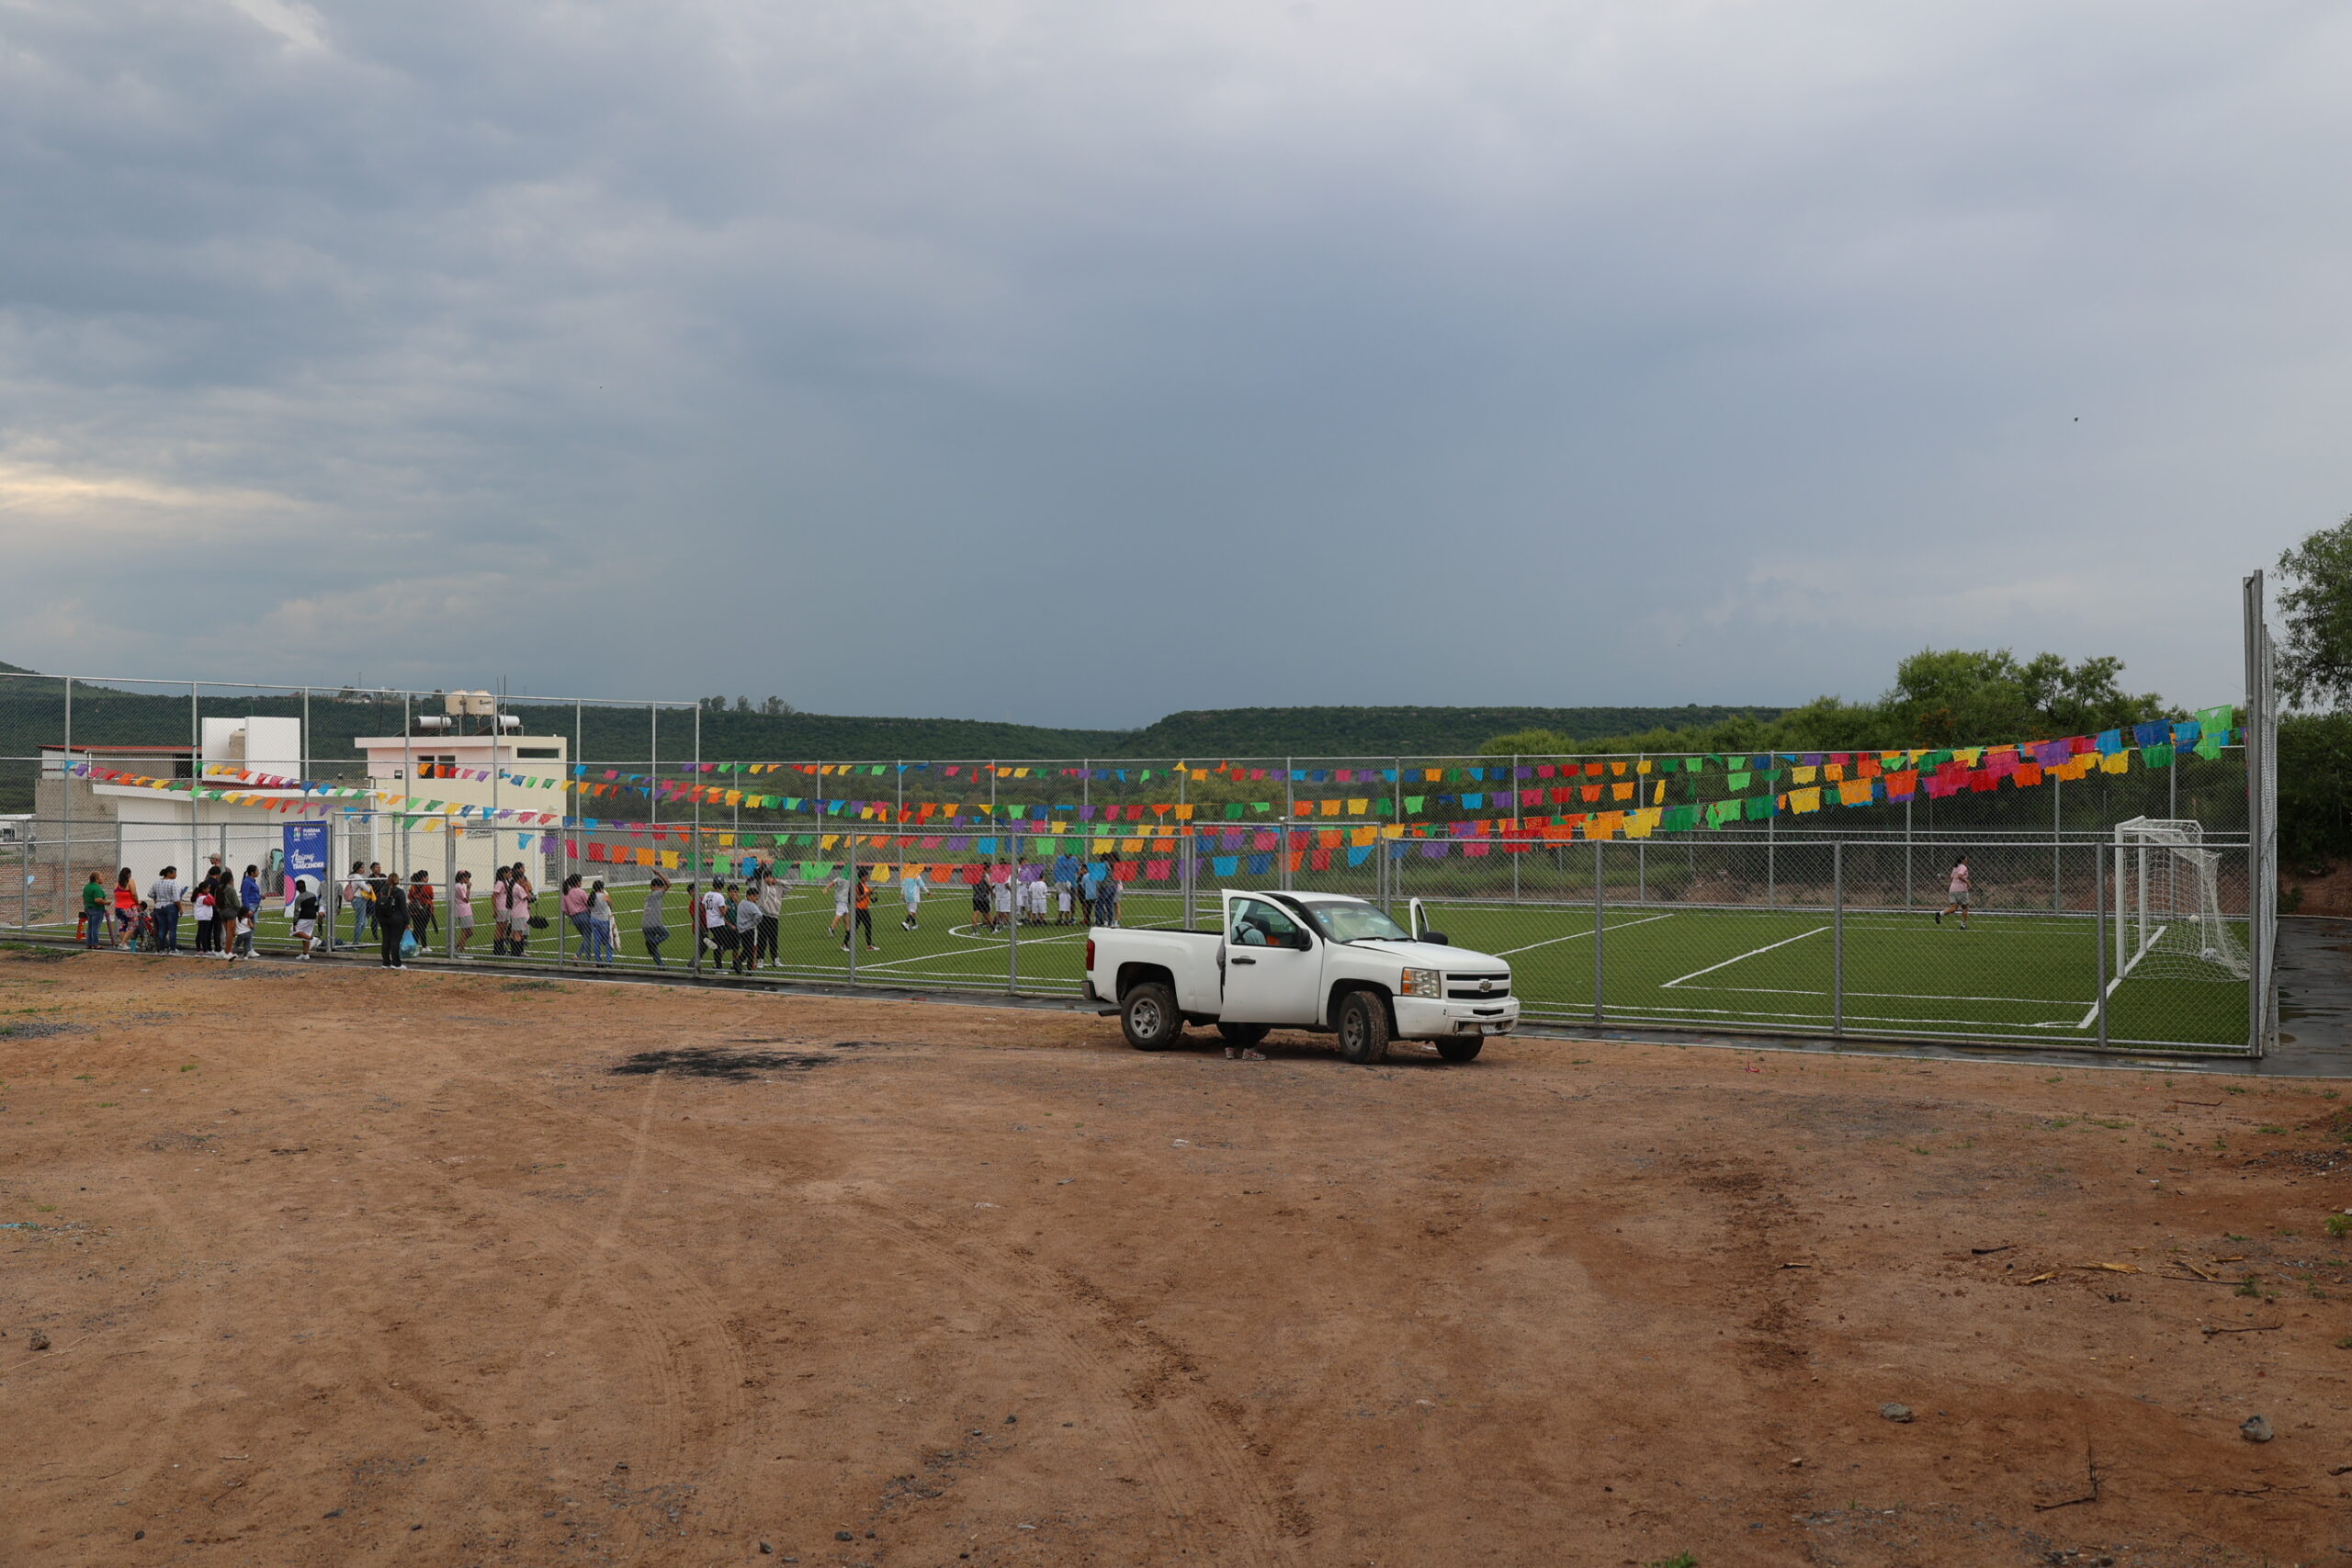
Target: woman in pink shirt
575, 910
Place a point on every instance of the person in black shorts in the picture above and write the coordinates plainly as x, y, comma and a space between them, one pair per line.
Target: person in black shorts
982, 914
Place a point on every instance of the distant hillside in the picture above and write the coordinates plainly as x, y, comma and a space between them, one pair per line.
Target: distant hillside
32, 715
1375, 731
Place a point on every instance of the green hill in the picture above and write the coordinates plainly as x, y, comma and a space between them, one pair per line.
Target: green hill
32, 715
1391, 731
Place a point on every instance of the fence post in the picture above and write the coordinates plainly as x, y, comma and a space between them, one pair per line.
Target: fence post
2098, 931
1599, 908
1515, 818
63, 891
694, 883
849, 934
448, 882
1906, 850
195, 778
1012, 947
1837, 938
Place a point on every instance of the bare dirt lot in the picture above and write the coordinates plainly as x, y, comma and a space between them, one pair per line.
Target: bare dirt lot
336, 1265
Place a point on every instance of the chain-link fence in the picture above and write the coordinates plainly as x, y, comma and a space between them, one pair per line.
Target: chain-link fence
1525, 853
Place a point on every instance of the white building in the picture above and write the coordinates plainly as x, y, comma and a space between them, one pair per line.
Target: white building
524, 772
104, 825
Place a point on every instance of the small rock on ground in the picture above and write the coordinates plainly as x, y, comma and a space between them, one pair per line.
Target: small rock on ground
1894, 1411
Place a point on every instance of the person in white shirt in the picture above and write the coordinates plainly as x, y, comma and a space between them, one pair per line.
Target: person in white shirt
840, 885
714, 921
1003, 897
771, 896
1037, 895
1960, 889
165, 894
910, 894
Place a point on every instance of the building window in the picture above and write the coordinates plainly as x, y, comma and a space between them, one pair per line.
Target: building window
538, 754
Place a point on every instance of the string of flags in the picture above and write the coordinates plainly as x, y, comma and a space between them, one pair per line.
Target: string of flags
1633, 795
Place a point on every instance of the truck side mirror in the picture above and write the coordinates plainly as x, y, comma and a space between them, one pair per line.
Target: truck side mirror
1435, 939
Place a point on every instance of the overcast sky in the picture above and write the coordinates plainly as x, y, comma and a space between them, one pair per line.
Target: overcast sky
1077, 362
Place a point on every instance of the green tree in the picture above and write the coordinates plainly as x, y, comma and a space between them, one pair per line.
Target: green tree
2315, 662
1963, 697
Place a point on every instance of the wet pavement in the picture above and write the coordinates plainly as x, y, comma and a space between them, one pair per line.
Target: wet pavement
2314, 998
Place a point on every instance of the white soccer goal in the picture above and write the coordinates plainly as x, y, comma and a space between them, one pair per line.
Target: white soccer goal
2168, 919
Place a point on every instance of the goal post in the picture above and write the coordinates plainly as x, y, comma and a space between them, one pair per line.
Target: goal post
2168, 918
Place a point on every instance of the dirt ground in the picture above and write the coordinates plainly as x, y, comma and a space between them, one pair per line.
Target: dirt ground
336, 1265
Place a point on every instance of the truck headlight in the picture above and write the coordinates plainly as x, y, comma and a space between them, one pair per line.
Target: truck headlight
1421, 983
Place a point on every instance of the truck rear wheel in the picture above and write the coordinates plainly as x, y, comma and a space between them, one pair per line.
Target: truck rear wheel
1461, 1049
1149, 1017
1363, 1029
1242, 1033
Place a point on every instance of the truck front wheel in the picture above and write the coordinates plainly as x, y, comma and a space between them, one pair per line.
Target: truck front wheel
1363, 1029
1149, 1017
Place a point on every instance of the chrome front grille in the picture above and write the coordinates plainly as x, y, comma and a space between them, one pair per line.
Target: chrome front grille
1478, 988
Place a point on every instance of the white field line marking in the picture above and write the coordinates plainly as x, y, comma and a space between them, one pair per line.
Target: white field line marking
1887, 995
2090, 1014
959, 954
1855, 1018
1753, 952
1572, 936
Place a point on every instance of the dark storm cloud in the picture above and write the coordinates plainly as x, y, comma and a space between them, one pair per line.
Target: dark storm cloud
1077, 362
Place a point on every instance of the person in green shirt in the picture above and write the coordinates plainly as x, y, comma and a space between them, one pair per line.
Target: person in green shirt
96, 916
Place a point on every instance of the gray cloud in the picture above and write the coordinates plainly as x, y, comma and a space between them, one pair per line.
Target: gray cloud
1074, 363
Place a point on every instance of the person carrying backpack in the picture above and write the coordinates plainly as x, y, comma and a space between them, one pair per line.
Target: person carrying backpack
391, 919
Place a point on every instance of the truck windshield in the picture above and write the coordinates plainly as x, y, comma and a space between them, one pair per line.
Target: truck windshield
1355, 922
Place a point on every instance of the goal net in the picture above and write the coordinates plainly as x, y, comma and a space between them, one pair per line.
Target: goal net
2168, 905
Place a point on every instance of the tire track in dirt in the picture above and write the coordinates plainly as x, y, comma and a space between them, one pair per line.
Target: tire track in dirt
160, 1430
1779, 1307
691, 1356
1215, 1450
1212, 1450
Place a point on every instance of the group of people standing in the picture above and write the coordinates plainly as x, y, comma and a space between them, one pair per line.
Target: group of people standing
220, 906
736, 923
1070, 887
401, 914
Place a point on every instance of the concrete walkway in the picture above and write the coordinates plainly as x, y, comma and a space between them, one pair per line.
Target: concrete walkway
2314, 998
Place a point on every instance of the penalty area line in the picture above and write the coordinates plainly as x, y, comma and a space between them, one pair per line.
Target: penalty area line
1621, 925
1742, 958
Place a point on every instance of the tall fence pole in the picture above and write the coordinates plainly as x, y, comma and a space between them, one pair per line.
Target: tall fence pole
2098, 932
1012, 946
448, 882
1837, 938
64, 887
849, 935
195, 777
1599, 909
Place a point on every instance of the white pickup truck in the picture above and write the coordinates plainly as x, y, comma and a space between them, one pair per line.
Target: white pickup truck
1316, 961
